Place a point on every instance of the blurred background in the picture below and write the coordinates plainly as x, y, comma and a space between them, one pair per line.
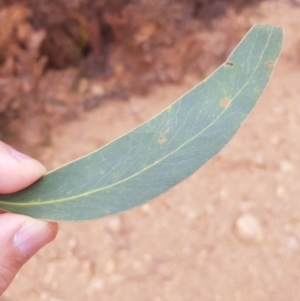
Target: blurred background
76, 74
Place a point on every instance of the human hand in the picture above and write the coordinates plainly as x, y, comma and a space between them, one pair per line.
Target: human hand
20, 236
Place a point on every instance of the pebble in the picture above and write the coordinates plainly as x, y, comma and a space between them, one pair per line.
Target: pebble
259, 158
146, 208
248, 228
280, 191
224, 193
110, 266
293, 243
97, 90
95, 284
286, 166
275, 139
72, 243
114, 225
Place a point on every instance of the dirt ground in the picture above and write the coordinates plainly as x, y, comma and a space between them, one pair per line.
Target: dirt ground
229, 232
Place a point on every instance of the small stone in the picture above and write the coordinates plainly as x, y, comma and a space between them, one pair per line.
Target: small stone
224, 193
287, 228
72, 243
97, 90
43, 297
280, 191
274, 139
114, 225
110, 266
191, 215
293, 243
95, 285
259, 158
147, 257
137, 265
286, 166
146, 208
248, 228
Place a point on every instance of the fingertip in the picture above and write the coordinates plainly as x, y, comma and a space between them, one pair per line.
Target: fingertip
27, 161
17, 170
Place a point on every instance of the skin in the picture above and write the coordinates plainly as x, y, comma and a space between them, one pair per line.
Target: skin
20, 236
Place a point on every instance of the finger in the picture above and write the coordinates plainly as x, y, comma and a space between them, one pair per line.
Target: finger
17, 170
22, 238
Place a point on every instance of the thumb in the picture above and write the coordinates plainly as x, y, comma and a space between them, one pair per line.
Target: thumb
20, 238
17, 170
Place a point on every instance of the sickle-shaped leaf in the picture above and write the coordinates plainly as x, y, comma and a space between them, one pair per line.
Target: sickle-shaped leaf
163, 151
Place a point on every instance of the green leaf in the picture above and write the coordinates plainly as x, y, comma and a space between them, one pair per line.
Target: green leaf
152, 158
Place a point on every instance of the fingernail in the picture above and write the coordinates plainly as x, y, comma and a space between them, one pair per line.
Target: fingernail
31, 237
22, 158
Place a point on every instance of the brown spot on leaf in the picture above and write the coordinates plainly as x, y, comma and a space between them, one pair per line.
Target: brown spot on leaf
229, 64
224, 102
162, 139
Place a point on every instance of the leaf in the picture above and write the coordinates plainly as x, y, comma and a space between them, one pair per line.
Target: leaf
152, 158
